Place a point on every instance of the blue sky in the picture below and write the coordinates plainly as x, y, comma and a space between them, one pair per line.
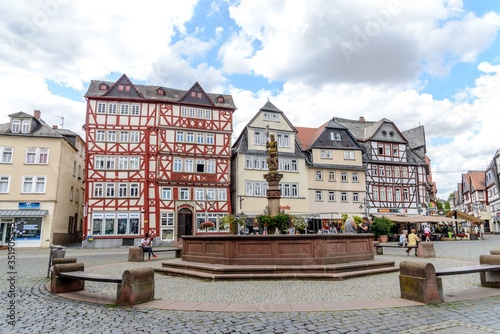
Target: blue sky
431, 62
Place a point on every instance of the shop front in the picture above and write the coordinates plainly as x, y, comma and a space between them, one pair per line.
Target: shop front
24, 225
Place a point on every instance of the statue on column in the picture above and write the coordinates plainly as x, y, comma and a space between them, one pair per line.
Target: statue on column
272, 152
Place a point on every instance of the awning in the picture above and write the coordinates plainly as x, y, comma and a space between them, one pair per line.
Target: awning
417, 218
465, 216
23, 213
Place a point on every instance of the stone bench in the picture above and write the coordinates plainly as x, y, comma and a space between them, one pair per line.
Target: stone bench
134, 286
421, 282
136, 254
424, 249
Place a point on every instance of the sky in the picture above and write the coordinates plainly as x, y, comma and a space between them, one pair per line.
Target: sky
434, 63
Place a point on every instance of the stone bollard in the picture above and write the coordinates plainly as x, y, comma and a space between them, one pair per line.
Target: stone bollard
135, 254
418, 282
426, 249
64, 260
495, 252
60, 284
490, 279
138, 286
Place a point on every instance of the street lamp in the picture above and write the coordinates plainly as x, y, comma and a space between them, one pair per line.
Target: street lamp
366, 207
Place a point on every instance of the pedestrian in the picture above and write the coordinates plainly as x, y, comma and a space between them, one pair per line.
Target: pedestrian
146, 245
366, 225
427, 233
412, 242
350, 225
403, 241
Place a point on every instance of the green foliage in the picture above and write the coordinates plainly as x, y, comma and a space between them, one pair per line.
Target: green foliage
280, 221
357, 219
299, 223
381, 226
232, 222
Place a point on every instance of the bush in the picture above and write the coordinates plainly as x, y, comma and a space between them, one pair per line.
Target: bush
381, 226
280, 221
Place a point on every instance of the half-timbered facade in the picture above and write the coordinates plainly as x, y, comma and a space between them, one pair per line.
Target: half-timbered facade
249, 165
157, 161
493, 191
397, 170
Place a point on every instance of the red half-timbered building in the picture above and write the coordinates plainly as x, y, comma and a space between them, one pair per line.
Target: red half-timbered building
157, 162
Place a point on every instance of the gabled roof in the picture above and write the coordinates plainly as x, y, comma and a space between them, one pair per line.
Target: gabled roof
20, 114
364, 130
124, 81
307, 136
320, 137
196, 89
150, 92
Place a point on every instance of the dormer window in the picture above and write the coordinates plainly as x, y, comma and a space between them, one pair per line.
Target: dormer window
335, 135
120, 87
26, 125
193, 94
16, 126
160, 91
220, 99
103, 86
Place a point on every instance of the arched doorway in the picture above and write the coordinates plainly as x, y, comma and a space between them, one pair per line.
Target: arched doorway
184, 222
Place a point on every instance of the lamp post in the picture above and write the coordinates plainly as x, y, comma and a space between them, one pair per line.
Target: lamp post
366, 207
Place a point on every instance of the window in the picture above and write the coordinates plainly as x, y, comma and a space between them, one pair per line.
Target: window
135, 110
200, 138
211, 194
110, 162
177, 165
283, 140
382, 194
111, 136
122, 190
355, 177
37, 156
208, 114
74, 168
381, 170
388, 171
374, 170
389, 195
210, 166
4, 184
199, 194
112, 108
398, 194
380, 149
199, 113
335, 135
396, 172
124, 109
134, 190
110, 190
124, 136
210, 138
134, 136
375, 193
6, 154
395, 150
406, 196
200, 166
404, 171
331, 196
166, 193
348, 155
122, 162
192, 112
190, 137
259, 138
343, 177
222, 194
319, 196
100, 135
331, 176
134, 163
319, 175
184, 112
343, 197
167, 219
180, 136
188, 165
101, 108
16, 126
184, 194
326, 154
77, 196
34, 184
355, 197
98, 190
26, 125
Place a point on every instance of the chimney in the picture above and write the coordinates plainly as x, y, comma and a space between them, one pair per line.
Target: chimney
55, 127
362, 119
37, 114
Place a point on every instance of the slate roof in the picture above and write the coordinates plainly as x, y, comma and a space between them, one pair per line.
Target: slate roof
150, 92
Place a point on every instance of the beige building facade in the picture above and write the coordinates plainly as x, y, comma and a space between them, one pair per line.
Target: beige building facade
41, 183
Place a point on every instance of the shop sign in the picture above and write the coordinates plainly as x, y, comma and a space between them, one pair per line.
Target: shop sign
29, 205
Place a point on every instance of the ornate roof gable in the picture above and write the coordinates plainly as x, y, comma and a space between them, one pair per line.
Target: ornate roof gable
196, 95
123, 87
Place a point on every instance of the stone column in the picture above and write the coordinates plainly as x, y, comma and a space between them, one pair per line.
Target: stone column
273, 178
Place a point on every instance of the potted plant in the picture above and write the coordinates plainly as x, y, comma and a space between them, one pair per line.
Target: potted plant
299, 223
280, 222
381, 227
233, 223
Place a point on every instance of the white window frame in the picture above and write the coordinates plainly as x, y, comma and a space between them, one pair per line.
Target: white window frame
6, 154
4, 184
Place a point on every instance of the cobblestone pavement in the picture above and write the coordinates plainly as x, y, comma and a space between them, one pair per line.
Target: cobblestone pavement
38, 311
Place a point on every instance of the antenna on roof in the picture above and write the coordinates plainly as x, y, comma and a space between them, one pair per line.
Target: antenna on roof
62, 121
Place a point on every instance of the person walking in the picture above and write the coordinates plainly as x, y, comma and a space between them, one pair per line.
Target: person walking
427, 232
412, 242
146, 245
